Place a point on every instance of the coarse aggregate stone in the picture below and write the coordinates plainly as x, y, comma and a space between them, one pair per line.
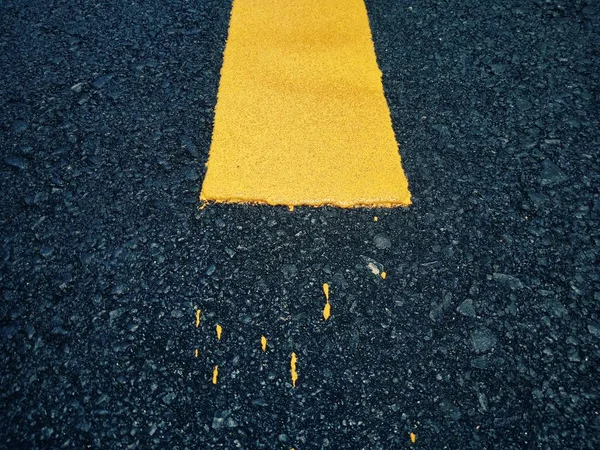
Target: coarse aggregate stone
484, 334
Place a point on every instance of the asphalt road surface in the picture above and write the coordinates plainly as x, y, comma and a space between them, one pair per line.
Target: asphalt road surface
484, 334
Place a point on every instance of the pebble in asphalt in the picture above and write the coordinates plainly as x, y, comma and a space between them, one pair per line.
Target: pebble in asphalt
105, 256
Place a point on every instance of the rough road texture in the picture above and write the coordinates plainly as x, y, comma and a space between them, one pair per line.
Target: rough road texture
485, 333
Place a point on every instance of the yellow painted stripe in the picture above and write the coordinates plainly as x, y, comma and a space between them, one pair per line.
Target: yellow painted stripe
301, 117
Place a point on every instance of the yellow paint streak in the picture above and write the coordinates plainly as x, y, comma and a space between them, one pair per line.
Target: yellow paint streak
413, 437
326, 311
383, 275
301, 117
219, 331
215, 375
197, 318
263, 343
293, 369
326, 291
196, 353
375, 219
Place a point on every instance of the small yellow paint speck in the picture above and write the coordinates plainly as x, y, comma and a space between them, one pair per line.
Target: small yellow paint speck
291, 208
326, 290
263, 343
219, 331
197, 318
413, 437
375, 219
383, 275
196, 353
293, 369
326, 311
215, 374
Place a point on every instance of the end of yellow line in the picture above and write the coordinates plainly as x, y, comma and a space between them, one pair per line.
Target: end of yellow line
215, 375
219, 331
301, 119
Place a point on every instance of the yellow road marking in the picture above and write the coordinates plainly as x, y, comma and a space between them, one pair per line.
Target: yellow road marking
219, 331
196, 353
413, 437
197, 318
301, 117
215, 374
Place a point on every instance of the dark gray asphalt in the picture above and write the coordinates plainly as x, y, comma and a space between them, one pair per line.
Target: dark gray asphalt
485, 334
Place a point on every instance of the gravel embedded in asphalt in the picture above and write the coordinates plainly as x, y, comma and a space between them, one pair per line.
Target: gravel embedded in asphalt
484, 334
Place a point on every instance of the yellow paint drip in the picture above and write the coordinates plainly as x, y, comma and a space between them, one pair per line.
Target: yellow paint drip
197, 318
413, 437
293, 369
326, 291
326, 311
215, 375
375, 219
301, 117
383, 275
196, 353
263, 343
219, 331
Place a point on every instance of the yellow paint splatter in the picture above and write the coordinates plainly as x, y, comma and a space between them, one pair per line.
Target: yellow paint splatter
291, 208
263, 343
293, 369
215, 374
326, 311
375, 219
197, 318
219, 331
196, 353
413, 437
383, 275
326, 290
